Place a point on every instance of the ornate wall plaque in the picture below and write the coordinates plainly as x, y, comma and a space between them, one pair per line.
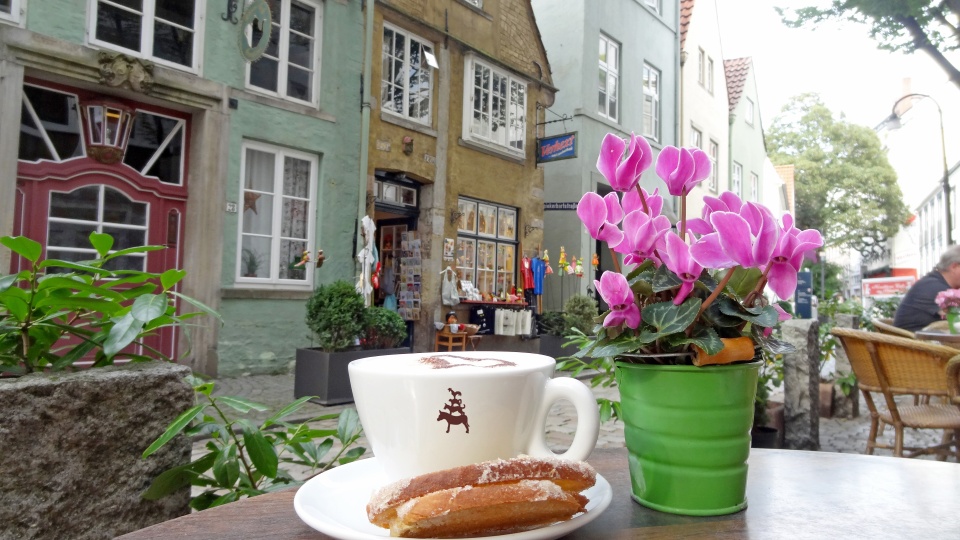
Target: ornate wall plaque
122, 71
257, 16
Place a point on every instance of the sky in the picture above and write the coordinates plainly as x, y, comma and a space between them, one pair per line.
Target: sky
837, 60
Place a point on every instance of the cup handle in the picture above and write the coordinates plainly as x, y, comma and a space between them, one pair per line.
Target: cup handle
588, 419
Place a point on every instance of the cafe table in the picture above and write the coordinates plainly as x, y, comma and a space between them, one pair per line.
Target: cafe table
944, 338
791, 494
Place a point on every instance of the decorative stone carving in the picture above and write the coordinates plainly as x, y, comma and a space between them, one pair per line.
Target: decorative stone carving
108, 155
801, 385
122, 71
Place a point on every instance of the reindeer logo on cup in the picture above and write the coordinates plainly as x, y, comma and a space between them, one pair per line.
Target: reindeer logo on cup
454, 414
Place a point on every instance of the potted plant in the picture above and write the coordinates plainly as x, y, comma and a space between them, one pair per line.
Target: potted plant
767, 431
345, 330
687, 316
250, 261
554, 326
55, 316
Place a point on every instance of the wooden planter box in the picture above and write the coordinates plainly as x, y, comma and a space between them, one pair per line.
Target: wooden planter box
324, 375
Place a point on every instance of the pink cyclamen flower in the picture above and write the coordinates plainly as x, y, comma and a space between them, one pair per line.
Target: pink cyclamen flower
727, 202
788, 255
616, 292
676, 256
600, 216
781, 316
623, 175
640, 236
682, 168
746, 238
631, 201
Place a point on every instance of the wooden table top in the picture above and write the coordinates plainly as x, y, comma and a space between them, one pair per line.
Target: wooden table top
791, 494
945, 338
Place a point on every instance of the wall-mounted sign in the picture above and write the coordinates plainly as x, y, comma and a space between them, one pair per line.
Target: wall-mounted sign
256, 21
559, 206
557, 147
886, 287
803, 296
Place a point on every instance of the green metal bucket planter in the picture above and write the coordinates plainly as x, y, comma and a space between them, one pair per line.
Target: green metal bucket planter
687, 432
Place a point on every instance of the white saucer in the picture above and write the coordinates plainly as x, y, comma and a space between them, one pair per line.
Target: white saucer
334, 503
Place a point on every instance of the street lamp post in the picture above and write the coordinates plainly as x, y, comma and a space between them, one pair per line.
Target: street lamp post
945, 181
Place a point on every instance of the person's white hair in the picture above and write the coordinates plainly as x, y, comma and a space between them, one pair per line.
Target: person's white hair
950, 256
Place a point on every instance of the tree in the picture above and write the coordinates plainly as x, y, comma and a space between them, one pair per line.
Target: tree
845, 187
898, 25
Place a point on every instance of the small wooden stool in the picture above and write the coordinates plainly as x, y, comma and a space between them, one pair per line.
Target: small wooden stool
450, 340
474, 339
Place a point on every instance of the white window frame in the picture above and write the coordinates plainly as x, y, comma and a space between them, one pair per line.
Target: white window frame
510, 107
696, 138
710, 75
610, 72
283, 48
736, 180
274, 282
714, 154
749, 111
478, 3
701, 66
148, 10
754, 187
14, 15
654, 5
428, 45
651, 131
180, 128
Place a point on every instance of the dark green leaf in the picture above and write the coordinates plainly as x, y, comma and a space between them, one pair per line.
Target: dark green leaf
703, 337
352, 454
262, 453
56, 263
101, 242
773, 345
23, 246
7, 281
124, 332
664, 279
171, 277
348, 425
240, 404
199, 305
670, 319
16, 303
173, 479
744, 280
606, 409
287, 411
225, 499
176, 427
149, 306
131, 250
226, 468
203, 501
76, 303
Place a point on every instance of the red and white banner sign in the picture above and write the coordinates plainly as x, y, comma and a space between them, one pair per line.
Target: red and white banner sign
886, 287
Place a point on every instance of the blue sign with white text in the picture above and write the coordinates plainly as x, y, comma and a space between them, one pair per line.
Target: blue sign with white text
557, 147
803, 295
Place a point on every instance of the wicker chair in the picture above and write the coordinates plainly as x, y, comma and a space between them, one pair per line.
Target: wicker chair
895, 366
885, 326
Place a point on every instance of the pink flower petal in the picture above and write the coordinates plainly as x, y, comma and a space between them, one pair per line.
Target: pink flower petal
708, 253
702, 166
782, 280
592, 211
734, 234
611, 151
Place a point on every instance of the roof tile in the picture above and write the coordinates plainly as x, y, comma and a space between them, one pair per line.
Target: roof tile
736, 71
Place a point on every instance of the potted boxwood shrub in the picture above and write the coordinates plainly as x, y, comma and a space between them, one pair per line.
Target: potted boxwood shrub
578, 312
344, 330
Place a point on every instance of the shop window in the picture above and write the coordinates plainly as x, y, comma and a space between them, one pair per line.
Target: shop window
406, 77
97, 208
289, 67
495, 107
486, 245
49, 125
278, 192
165, 31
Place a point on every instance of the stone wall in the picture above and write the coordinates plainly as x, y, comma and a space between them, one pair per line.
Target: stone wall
70, 447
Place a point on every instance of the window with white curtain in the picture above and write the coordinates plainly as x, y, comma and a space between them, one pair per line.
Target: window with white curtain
495, 107
165, 31
754, 187
714, 165
277, 196
609, 99
290, 66
406, 76
651, 102
696, 137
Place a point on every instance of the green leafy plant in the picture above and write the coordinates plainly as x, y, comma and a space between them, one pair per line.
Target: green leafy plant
335, 315
771, 374
383, 329
56, 312
244, 459
251, 261
579, 312
552, 323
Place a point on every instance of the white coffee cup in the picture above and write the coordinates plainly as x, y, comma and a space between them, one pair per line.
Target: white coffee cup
425, 412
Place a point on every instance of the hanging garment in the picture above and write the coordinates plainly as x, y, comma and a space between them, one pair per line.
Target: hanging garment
539, 269
526, 273
448, 288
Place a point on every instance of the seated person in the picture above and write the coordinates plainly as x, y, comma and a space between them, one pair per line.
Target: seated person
919, 308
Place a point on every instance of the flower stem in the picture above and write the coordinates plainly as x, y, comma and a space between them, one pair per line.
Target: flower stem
716, 292
616, 263
683, 217
759, 288
643, 200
